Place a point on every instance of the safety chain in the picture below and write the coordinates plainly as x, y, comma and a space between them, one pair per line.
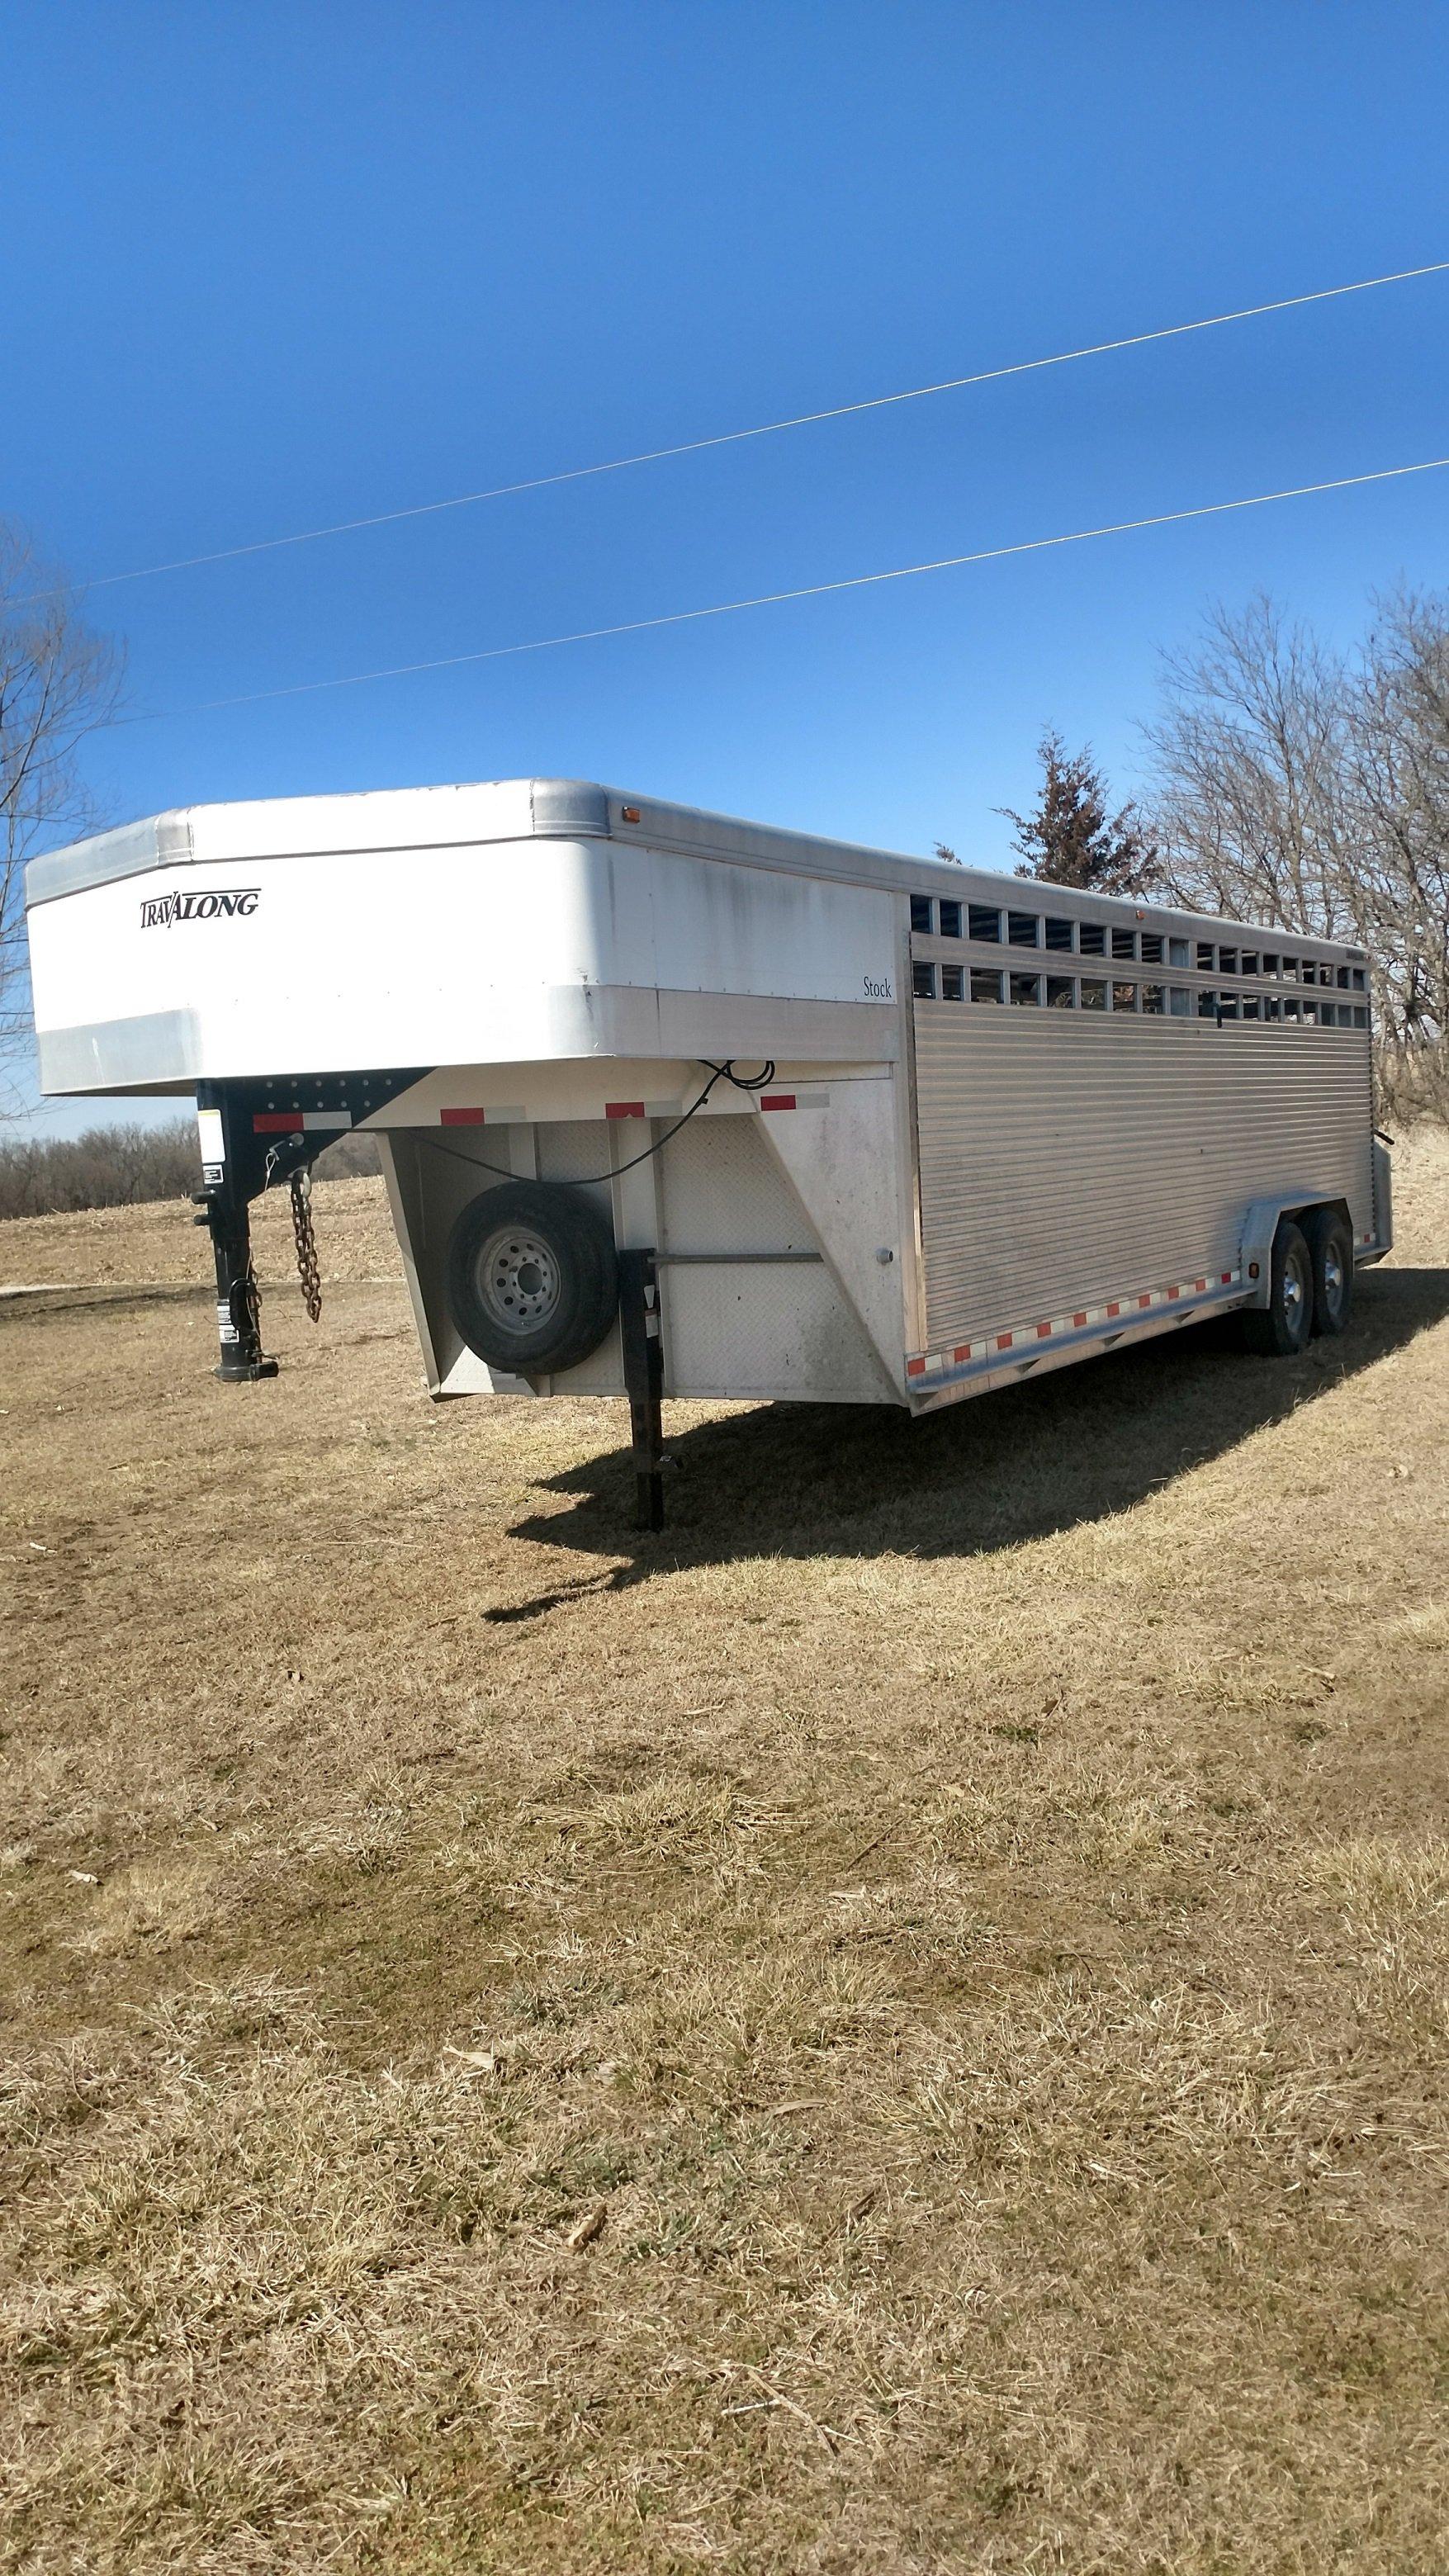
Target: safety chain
307, 1270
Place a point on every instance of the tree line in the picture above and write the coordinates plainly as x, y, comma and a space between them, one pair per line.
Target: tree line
125, 1164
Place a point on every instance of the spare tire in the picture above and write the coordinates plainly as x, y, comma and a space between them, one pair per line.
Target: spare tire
532, 1283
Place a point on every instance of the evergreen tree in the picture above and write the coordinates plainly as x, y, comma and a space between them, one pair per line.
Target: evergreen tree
1071, 839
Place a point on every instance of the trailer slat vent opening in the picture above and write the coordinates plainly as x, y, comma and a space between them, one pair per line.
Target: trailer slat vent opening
1023, 929
1179, 1002
953, 980
1026, 990
1227, 961
1152, 948
1179, 953
1270, 962
983, 921
1092, 938
1056, 932
923, 981
950, 919
1124, 943
920, 912
1061, 993
1206, 955
1153, 999
1094, 993
1250, 961
985, 984
1207, 1006
1124, 997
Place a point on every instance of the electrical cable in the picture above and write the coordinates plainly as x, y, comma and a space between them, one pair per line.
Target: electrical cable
776, 598
763, 429
717, 1073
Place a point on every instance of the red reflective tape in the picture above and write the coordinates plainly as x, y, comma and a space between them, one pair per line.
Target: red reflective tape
915, 1368
778, 1100
1174, 1292
1003, 1341
961, 1352
1114, 1310
1043, 1332
624, 1109
1079, 1320
1201, 1286
1227, 1278
1144, 1301
461, 1117
277, 1122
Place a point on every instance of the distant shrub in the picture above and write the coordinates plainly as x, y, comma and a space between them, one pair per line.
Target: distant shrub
352, 1158
123, 1165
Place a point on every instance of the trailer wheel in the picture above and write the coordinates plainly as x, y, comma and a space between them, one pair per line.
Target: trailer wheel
1280, 1329
532, 1283
1330, 1249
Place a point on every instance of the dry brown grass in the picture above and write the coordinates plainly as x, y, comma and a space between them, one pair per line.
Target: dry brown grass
900, 2027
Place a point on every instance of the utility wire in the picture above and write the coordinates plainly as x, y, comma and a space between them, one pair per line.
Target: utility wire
810, 590
763, 429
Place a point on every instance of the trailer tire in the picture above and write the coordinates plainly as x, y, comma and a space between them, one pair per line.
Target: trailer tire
1330, 1249
532, 1281
1280, 1330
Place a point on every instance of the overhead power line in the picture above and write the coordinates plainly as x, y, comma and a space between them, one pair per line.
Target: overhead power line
808, 590
762, 429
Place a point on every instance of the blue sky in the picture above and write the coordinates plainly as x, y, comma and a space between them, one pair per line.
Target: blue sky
268, 267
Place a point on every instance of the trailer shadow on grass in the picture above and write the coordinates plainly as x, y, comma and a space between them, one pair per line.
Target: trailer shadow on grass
1026, 1463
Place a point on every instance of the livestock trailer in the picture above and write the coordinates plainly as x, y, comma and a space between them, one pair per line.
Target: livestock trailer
672, 1103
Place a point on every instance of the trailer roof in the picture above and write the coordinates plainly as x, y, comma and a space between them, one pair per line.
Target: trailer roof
513, 809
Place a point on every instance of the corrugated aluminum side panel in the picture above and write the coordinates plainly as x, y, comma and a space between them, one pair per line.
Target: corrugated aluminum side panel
1067, 1159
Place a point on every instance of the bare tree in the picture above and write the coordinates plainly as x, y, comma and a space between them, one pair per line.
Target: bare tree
58, 681
1310, 792
1071, 838
1399, 754
1251, 748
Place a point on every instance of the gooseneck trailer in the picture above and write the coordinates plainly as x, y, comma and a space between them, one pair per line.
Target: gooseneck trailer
670, 1104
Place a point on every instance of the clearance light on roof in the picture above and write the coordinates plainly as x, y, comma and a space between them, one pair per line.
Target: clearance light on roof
628, 813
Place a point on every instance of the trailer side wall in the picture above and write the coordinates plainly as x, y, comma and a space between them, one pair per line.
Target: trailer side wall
1066, 1159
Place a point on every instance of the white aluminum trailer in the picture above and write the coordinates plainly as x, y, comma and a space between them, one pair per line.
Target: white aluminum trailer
671, 1103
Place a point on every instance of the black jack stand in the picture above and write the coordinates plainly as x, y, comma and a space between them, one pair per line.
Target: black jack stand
643, 1381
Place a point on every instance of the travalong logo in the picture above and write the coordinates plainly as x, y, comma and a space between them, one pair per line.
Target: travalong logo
160, 911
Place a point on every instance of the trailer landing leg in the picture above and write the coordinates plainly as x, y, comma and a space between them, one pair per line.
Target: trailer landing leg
644, 1381
238, 1308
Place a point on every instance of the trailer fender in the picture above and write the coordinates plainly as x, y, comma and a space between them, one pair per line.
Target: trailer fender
1260, 1226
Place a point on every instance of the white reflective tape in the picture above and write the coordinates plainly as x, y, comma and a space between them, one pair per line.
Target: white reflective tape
213, 1143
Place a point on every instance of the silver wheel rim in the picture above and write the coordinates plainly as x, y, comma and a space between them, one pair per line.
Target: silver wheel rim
517, 1278
1295, 1292
1333, 1280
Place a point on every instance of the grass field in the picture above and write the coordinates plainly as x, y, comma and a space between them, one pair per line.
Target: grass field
900, 2026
